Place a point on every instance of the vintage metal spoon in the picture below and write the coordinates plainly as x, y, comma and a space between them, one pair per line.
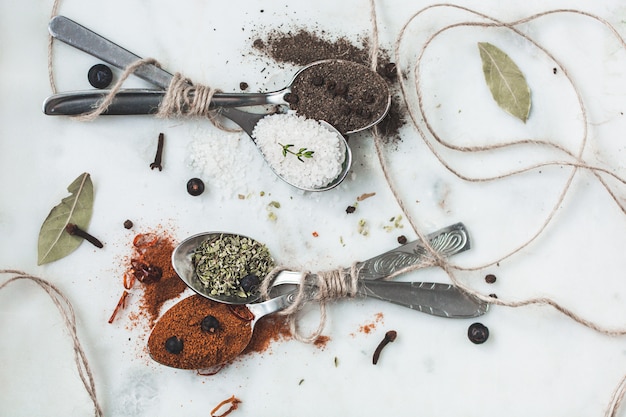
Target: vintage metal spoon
432, 298
141, 102
148, 101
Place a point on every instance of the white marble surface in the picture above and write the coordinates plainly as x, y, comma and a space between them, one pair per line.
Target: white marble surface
537, 362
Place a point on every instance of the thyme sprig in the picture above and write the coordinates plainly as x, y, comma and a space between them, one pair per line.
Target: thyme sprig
302, 152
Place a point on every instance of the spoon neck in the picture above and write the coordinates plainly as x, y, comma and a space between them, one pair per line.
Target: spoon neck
270, 306
247, 121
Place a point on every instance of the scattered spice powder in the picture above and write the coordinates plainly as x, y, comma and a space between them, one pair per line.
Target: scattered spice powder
370, 326
321, 341
267, 330
155, 251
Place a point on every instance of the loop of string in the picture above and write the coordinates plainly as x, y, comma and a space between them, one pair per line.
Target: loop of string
576, 162
182, 98
66, 310
320, 288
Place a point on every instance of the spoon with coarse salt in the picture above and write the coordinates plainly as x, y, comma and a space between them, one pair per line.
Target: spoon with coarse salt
307, 154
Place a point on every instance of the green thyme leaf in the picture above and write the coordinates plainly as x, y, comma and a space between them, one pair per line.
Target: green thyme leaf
54, 242
505, 81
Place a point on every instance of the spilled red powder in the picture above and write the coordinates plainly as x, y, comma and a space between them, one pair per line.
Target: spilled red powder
269, 329
155, 249
321, 341
370, 326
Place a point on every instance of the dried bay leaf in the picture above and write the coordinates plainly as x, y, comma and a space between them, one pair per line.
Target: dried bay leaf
505, 81
54, 242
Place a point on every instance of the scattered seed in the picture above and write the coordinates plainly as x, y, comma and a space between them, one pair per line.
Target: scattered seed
128, 224
490, 278
350, 209
365, 196
402, 239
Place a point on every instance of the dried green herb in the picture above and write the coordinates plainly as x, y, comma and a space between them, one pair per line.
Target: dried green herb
505, 81
222, 262
54, 241
302, 152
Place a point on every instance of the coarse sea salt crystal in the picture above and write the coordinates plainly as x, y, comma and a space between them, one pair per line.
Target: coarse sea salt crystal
277, 130
220, 157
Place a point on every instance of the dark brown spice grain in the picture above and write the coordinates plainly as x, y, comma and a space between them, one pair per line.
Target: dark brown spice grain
301, 47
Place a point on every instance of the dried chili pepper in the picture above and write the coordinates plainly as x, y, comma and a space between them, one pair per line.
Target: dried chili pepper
234, 404
120, 304
144, 240
146, 274
129, 280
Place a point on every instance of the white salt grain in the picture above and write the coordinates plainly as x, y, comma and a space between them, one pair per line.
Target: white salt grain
276, 130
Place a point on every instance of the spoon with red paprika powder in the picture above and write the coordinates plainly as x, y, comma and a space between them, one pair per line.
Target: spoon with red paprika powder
198, 333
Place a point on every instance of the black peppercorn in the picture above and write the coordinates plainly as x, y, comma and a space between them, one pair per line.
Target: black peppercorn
249, 283
291, 98
402, 239
341, 89
128, 224
478, 333
100, 76
490, 278
195, 186
317, 81
174, 345
350, 209
243, 86
210, 324
390, 71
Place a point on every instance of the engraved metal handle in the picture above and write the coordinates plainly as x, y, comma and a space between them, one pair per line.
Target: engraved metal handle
442, 300
446, 242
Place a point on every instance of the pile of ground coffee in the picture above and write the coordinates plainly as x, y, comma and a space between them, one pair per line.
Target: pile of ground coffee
301, 47
343, 93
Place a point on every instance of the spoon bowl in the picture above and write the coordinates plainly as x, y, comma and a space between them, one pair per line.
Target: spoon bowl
201, 347
185, 268
248, 121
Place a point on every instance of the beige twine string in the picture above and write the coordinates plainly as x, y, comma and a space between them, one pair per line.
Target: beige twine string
66, 310
320, 288
576, 163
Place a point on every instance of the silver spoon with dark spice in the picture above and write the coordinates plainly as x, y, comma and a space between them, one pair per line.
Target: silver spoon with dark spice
346, 94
